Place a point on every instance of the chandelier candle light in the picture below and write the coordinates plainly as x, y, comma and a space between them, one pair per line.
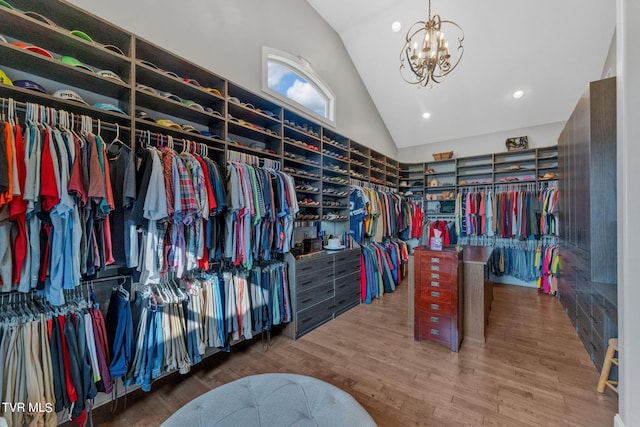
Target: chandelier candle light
425, 57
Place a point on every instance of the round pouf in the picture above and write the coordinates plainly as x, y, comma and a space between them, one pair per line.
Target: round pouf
269, 400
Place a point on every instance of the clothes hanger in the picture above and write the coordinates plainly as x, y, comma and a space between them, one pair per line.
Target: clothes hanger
116, 139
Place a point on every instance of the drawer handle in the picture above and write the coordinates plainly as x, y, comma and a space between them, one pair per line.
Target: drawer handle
306, 268
306, 300
435, 284
342, 271
435, 294
435, 319
435, 276
435, 306
308, 282
435, 267
344, 285
307, 319
435, 260
435, 332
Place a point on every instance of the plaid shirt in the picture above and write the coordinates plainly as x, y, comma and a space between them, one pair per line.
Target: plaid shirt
187, 193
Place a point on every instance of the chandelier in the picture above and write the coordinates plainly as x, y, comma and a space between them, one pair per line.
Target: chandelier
425, 57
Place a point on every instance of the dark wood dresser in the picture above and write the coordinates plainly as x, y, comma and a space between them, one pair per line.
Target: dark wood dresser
438, 296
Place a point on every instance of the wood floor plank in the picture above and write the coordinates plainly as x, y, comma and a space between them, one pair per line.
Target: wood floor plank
532, 370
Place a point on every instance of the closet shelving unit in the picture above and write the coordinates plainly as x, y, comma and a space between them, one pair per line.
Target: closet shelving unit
474, 170
411, 178
439, 180
168, 87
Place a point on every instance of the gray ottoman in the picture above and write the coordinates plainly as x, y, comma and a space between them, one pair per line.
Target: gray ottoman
269, 400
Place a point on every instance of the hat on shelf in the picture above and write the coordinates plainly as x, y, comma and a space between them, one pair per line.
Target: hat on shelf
404, 184
189, 128
69, 95
114, 48
39, 17
109, 74
29, 84
209, 134
171, 73
169, 123
170, 95
69, 60
82, 35
191, 81
142, 115
5, 79
32, 48
193, 104
148, 64
147, 89
213, 91
109, 107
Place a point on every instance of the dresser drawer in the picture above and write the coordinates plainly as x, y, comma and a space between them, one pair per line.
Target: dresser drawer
314, 316
350, 267
432, 319
349, 257
314, 278
437, 308
314, 263
436, 279
312, 296
348, 285
439, 331
447, 267
446, 260
436, 295
346, 300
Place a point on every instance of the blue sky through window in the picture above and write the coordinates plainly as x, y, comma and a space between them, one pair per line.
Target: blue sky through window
287, 82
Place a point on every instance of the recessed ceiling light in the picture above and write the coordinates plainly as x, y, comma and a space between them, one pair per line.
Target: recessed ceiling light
396, 26
518, 94
426, 115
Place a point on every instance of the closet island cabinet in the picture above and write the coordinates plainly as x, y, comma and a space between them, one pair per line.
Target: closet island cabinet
438, 296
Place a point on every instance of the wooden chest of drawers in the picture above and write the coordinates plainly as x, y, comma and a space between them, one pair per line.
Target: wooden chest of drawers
438, 299
322, 286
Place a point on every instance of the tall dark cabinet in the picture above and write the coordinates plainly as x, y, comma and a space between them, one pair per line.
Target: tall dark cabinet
587, 212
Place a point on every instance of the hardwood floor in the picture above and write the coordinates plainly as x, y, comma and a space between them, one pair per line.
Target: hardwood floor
532, 371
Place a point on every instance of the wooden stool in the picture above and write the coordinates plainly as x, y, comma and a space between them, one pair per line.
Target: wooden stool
606, 367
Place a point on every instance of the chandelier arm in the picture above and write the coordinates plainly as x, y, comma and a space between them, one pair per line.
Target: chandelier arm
460, 49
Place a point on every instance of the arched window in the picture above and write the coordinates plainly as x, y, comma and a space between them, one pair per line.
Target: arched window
292, 81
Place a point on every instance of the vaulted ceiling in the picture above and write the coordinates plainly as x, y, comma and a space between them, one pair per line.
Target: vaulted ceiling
550, 49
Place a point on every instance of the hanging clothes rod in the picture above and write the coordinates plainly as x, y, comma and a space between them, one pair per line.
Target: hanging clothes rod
14, 293
22, 107
371, 185
147, 138
252, 160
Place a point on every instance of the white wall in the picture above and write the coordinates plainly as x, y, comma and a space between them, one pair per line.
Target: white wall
539, 136
226, 37
628, 112
609, 69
